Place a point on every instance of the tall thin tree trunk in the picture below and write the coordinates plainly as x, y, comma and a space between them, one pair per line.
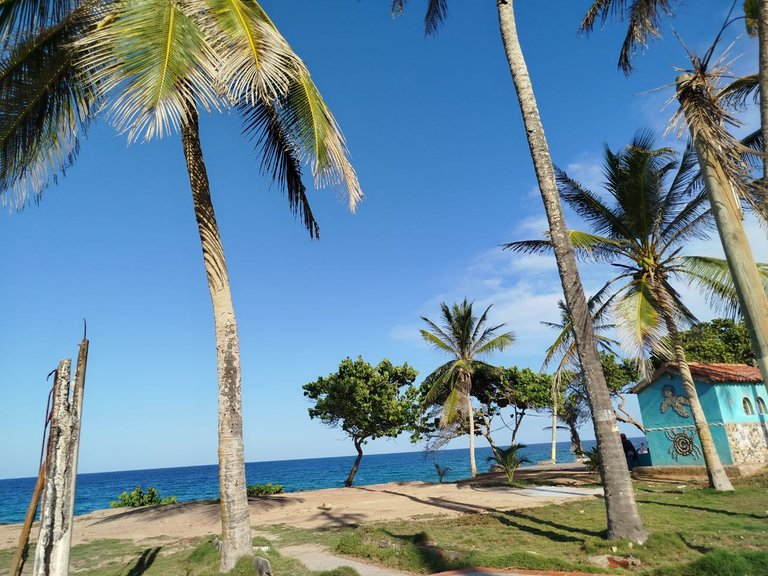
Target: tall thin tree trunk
623, 517
235, 519
762, 38
351, 478
471, 413
555, 386
715, 471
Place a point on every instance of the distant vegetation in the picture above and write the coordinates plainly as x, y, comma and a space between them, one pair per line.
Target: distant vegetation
261, 490
137, 497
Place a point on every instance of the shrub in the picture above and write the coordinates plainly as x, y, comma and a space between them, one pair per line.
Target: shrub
592, 459
261, 490
137, 497
508, 460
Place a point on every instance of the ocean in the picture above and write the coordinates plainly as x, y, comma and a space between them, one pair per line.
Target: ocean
95, 491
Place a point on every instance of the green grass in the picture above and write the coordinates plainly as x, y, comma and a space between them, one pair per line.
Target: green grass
194, 558
691, 528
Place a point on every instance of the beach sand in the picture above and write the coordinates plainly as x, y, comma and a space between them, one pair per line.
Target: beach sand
316, 509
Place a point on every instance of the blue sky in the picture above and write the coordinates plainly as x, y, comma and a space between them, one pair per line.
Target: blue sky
436, 137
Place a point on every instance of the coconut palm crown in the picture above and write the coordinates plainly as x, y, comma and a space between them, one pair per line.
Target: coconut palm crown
465, 337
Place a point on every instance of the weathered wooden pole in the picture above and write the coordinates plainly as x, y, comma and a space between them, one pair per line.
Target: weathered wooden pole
17, 565
738, 253
54, 542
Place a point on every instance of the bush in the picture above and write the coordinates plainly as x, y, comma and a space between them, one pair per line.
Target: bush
137, 497
592, 460
261, 490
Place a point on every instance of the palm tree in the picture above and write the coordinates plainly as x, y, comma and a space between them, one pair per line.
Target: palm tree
702, 103
154, 63
465, 337
656, 207
623, 517
508, 460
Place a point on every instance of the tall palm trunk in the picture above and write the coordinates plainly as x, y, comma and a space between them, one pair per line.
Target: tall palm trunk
715, 471
235, 519
471, 413
624, 520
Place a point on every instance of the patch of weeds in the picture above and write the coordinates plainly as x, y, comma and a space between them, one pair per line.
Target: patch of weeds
719, 563
341, 571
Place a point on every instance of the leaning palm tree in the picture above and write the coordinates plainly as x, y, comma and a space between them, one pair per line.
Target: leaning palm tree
655, 207
623, 517
465, 337
153, 64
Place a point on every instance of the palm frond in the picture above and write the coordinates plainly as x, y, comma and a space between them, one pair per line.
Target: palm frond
713, 277
153, 62
602, 219
637, 317
702, 112
255, 62
45, 108
437, 342
21, 20
737, 92
497, 344
279, 159
317, 138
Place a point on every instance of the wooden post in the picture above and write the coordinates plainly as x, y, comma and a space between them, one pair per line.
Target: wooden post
54, 542
738, 253
17, 565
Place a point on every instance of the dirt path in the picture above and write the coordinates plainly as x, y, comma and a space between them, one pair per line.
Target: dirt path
318, 558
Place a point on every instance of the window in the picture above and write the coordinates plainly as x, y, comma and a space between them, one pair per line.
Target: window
761, 408
748, 410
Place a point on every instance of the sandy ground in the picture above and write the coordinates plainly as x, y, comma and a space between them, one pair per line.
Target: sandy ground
313, 509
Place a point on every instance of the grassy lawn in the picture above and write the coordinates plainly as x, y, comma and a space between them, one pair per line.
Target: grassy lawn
694, 532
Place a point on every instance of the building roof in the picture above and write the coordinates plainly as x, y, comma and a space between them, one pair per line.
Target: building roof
706, 372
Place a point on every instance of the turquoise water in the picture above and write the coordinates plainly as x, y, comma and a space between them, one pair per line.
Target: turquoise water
94, 491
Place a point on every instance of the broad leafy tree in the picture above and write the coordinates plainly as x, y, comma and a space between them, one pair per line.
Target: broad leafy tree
466, 338
622, 513
366, 402
652, 207
720, 340
518, 389
152, 64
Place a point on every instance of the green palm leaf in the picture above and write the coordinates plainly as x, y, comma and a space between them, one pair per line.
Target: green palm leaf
255, 62
713, 278
152, 61
317, 138
45, 109
279, 159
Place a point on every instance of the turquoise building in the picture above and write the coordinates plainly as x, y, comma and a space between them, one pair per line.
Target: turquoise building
734, 401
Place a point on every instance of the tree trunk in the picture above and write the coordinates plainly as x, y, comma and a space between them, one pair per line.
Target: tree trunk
235, 519
762, 38
623, 518
715, 471
351, 478
738, 253
55, 539
518, 415
471, 413
576, 446
555, 386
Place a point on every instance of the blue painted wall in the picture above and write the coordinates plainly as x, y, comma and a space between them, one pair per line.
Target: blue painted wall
660, 444
731, 399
